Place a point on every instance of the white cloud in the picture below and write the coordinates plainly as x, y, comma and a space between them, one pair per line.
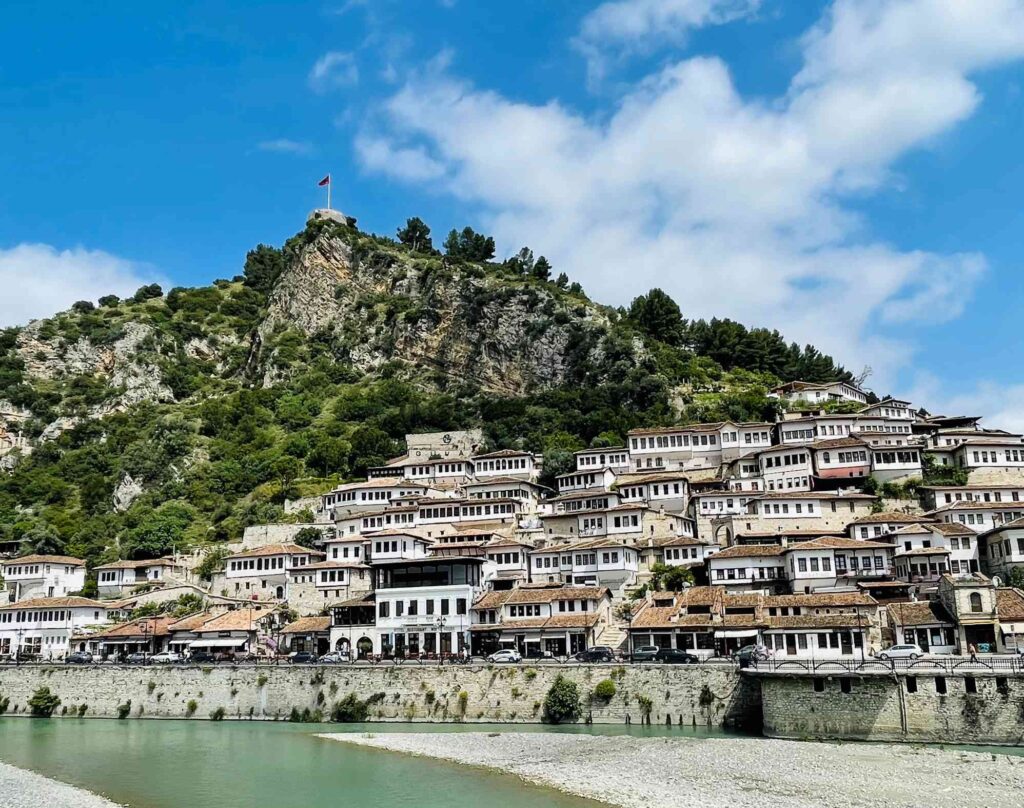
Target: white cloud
1001, 405
334, 69
285, 146
40, 280
409, 164
735, 206
619, 28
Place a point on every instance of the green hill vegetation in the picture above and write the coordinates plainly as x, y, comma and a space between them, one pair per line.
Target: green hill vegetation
172, 420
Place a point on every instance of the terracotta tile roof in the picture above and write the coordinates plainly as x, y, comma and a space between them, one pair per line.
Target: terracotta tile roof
654, 617
713, 427
45, 559
308, 625
331, 565
192, 621
837, 543
890, 517
142, 627
572, 620
56, 603
640, 478
826, 495
525, 595
836, 599
838, 443
502, 453
919, 613
749, 551
1010, 604
923, 551
285, 548
493, 600
953, 529
676, 541
236, 620
363, 600
700, 595
134, 565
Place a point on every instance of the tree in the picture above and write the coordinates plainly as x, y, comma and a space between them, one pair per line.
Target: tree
469, 245
148, 292
329, 456
309, 537
43, 702
658, 316
416, 235
522, 262
285, 469
109, 301
1016, 578
263, 266
562, 281
542, 269
41, 540
670, 578
562, 702
212, 563
159, 532
83, 306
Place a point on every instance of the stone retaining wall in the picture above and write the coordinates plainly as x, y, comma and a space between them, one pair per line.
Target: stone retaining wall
880, 708
687, 695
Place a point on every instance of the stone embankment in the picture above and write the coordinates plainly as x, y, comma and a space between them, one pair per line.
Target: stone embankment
705, 695
637, 772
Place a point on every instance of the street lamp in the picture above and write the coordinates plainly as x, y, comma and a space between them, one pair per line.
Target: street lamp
440, 623
145, 635
17, 650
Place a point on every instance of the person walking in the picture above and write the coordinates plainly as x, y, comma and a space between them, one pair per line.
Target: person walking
973, 651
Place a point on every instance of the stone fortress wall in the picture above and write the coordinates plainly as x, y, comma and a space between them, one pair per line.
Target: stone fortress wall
688, 695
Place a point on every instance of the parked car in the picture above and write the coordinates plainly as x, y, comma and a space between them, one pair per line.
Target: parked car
673, 656
78, 658
301, 657
752, 653
644, 653
334, 657
202, 657
138, 658
599, 653
505, 655
901, 652
167, 658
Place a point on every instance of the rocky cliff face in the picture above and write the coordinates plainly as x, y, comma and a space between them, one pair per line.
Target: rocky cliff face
504, 335
371, 302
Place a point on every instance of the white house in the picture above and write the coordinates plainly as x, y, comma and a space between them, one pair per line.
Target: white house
748, 567
42, 576
980, 516
786, 468
925, 552
423, 604
819, 393
119, 577
876, 525
43, 627
505, 463
263, 572
536, 620
839, 460
832, 562
893, 464
1002, 549
615, 458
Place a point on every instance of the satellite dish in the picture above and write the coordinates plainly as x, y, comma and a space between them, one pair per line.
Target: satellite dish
996, 582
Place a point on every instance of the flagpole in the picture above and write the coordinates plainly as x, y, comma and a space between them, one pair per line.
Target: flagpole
328, 192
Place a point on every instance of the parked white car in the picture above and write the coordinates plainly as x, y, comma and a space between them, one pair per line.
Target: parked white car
505, 655
167, 658
901, 652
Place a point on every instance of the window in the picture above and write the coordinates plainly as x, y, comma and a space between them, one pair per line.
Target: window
819, 684
975, 602
460, 606
940, 685
970, 684
911, 684
846, 685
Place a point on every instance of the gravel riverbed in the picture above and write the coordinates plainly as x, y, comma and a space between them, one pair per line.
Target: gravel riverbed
726, 772
20, 788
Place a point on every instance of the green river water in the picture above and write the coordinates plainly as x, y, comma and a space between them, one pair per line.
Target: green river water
241, 764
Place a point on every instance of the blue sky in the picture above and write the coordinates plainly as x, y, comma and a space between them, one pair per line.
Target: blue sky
847, 172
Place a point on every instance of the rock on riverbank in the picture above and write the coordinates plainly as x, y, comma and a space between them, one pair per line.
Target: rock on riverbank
20, 788
726, 772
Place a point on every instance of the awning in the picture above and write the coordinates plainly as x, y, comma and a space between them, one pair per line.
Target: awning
734, 633
223, 642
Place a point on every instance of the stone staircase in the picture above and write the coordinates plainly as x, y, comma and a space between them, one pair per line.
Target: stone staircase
613, 635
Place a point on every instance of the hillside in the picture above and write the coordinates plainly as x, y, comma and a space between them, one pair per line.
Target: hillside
177, 418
